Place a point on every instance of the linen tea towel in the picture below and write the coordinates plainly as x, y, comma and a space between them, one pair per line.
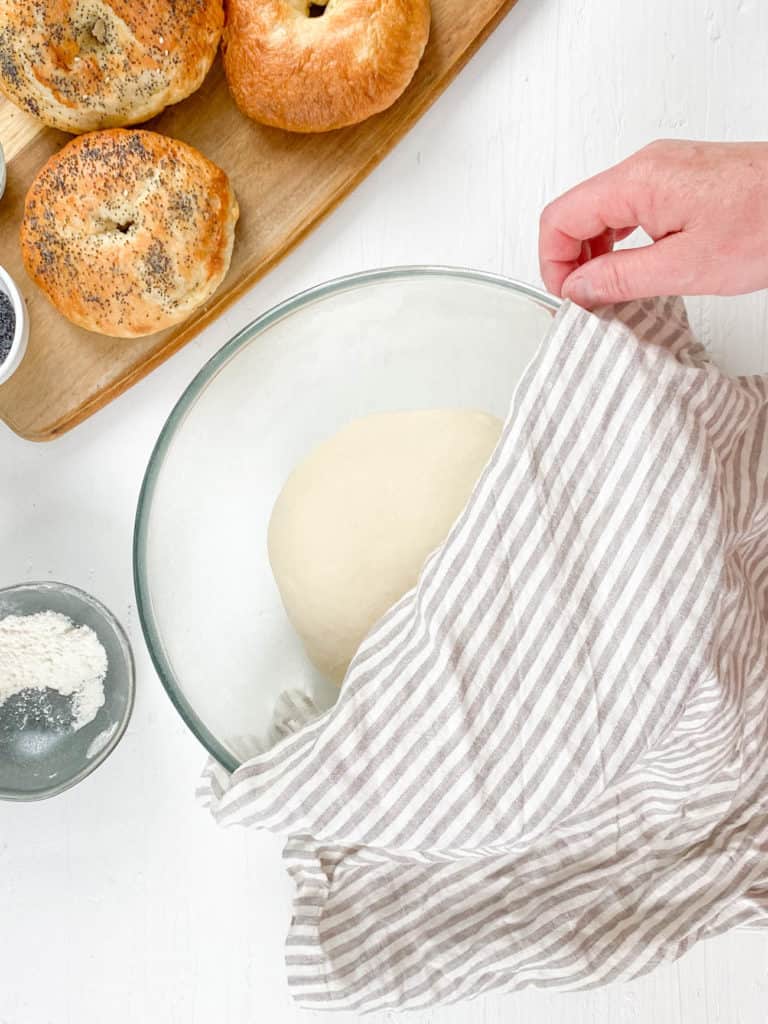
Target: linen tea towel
548, 764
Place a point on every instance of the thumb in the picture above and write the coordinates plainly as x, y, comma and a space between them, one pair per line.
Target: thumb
642, 273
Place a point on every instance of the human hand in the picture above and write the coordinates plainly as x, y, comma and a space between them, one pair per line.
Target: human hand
705, 205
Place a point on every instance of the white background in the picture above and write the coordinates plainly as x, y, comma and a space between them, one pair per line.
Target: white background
119, 900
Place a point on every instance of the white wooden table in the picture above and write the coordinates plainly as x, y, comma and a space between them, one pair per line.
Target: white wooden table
120, 901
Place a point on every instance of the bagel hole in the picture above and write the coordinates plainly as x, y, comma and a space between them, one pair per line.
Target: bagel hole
91, 36
316, 10
99, 30
110, 226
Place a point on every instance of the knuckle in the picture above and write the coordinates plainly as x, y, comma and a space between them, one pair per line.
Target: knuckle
659, 145
648, 159
669, 153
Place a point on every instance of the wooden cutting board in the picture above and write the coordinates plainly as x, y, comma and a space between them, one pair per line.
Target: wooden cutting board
285, 184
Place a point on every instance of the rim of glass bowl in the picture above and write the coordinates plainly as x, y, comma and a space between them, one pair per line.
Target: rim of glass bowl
188, 399
99, 758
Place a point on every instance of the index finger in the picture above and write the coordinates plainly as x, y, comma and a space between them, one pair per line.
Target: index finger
602, 204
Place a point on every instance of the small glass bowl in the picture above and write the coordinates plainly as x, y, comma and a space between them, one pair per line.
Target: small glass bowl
13, 360
38, 762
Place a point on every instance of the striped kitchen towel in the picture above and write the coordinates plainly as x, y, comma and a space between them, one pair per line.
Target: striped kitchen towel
549, 763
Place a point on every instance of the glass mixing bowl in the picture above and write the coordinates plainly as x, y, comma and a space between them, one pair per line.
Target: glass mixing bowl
398, 339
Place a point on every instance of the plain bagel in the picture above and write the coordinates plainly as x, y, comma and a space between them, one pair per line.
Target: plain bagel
81, 65
314, 67
128, 232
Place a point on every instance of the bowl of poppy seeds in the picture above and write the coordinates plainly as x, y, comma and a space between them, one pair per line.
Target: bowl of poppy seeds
14, 326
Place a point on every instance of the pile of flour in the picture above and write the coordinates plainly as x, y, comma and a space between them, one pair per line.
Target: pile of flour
48, 651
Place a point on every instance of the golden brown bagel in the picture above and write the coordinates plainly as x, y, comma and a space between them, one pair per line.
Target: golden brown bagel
80, 65
127, 232
312, 74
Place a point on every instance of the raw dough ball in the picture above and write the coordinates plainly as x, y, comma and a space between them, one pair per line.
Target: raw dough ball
358, 518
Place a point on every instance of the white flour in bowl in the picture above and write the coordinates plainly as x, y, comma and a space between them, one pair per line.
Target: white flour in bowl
47, 651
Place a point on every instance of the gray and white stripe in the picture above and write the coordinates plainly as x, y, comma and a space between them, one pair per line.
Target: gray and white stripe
549, 763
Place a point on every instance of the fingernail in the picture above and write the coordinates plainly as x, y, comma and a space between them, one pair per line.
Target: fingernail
579, 290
